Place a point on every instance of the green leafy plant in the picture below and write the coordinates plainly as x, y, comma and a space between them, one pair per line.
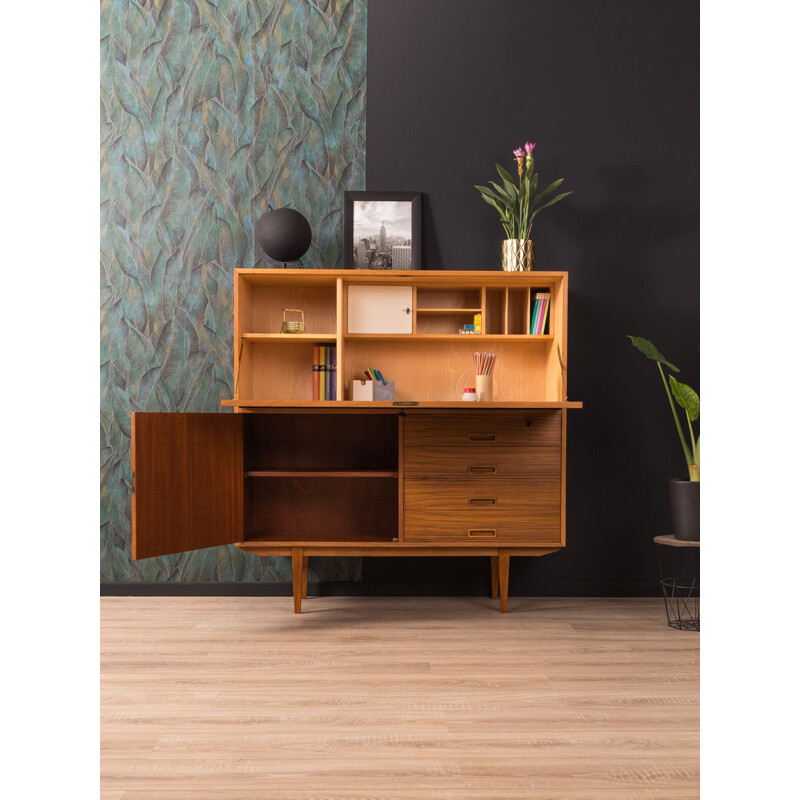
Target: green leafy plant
684, 396
517, 202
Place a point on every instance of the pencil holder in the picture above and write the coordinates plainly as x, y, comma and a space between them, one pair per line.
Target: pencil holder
383, 392
484, 385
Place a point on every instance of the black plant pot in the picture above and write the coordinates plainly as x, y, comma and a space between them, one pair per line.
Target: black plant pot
684, 501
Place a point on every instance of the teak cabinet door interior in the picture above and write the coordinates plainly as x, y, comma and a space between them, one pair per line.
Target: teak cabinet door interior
188, 475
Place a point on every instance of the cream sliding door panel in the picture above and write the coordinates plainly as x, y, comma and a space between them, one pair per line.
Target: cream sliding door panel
379, 309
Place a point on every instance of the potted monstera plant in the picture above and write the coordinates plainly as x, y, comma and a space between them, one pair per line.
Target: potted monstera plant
684, 495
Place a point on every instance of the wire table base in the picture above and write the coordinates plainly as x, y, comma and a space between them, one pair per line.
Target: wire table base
679, 567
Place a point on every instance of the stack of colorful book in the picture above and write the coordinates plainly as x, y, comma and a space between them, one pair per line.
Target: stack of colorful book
323, 372
541, 305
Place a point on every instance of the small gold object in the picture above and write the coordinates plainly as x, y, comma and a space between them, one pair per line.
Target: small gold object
518, 255
294, 326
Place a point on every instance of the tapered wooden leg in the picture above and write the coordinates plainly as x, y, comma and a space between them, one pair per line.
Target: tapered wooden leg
495, 576
503, 564
297, 577
305, 577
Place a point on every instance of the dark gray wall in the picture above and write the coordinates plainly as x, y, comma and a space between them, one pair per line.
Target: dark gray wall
610, 93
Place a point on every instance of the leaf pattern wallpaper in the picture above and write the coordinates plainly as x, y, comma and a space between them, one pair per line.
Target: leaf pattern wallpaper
209, 110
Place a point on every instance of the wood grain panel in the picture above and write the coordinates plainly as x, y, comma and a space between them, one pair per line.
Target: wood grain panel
188, 490
465, 511
278, 372
322, 509
462, 297
321, 442
518, 322
490, 495
431, 370
475, 464
494, 314
444, 322
480, 529
318, 304
533, 429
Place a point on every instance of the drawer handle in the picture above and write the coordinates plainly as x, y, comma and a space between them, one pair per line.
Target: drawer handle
482, 533
482, 470
482, 501
482, 437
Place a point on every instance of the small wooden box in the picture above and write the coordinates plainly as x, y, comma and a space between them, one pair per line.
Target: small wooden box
363, 390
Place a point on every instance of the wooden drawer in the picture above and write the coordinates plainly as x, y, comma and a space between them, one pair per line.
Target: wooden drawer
461, 511
481, 463
532, 429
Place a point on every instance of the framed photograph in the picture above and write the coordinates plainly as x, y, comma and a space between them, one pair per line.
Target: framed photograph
382, 230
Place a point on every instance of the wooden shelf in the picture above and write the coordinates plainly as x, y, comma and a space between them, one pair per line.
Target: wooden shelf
337, 538
270, 473
288, 338
344, 405
448, 311
449, 337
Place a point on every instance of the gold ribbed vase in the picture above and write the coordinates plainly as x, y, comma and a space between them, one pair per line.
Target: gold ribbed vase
518, 255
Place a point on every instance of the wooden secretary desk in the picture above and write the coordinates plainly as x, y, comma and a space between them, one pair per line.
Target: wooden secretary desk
425, 474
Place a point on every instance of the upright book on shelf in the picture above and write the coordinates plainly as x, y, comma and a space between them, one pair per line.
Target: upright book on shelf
327, 373
333, 373
322, 349
315, 373
323, 372
541, 306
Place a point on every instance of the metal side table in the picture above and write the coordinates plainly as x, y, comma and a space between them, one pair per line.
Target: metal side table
679, 567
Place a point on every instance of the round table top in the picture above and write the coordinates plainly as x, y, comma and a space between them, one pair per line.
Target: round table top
673, 542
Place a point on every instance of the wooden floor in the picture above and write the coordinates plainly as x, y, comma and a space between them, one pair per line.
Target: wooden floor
396, 698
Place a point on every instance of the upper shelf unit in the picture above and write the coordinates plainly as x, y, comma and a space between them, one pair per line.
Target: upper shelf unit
405, 324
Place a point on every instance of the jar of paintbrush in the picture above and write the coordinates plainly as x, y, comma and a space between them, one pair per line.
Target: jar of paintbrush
484, 379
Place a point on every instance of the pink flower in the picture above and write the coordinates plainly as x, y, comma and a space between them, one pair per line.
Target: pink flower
519, 153
530, 147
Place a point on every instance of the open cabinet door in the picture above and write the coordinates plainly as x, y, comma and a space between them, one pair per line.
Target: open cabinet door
187, 482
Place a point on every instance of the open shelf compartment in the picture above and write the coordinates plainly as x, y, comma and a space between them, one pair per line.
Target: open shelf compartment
440, 370
429, 362
261, 307
308, 480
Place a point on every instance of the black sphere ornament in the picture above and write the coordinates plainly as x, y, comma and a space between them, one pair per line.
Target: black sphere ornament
282, 235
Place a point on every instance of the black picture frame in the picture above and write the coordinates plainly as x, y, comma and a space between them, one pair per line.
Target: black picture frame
351, 221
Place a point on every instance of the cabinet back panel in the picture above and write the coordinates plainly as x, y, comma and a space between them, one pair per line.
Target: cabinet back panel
494, 316
321, 509
441, 371
437, 298
517, 311
278, 373
321, 442
317, 302
446, 323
